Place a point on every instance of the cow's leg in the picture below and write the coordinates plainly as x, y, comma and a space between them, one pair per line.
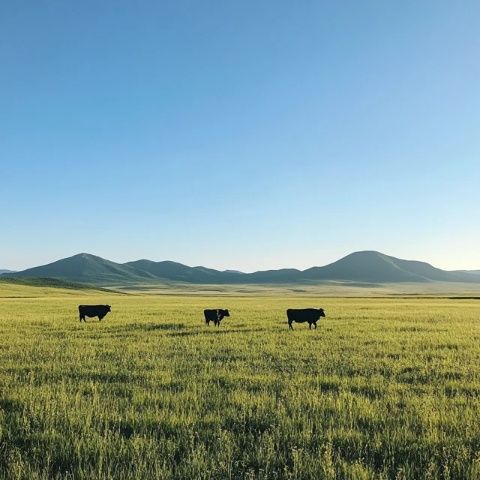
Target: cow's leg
310, 325
315, 323
290, 325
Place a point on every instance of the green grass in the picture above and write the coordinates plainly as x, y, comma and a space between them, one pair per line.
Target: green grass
384, 389
39, 282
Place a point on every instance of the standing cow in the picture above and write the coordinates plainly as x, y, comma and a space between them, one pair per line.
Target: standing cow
215, 316
301, 315
93, 311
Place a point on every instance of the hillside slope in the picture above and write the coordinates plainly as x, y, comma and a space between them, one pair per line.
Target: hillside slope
360, 267
376, 267
86, 268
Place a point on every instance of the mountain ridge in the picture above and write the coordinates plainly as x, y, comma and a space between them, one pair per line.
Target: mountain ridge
367, 266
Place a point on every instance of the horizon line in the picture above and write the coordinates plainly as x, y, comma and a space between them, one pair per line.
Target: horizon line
14, 270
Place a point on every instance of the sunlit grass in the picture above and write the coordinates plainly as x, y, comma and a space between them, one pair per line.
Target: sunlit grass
385, 388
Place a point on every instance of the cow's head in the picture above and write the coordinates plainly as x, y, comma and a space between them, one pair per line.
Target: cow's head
322, 312
225, 313
109, 308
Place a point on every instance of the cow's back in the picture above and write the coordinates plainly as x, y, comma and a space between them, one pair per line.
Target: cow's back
211, 315
93, 310
302, 314
297, 314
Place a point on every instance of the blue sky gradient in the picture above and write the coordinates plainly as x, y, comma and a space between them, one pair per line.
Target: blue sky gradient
244, 135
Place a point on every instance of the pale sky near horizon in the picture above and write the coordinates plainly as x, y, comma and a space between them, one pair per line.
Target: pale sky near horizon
244, 135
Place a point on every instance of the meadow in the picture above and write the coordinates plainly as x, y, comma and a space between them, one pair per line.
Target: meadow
385, 388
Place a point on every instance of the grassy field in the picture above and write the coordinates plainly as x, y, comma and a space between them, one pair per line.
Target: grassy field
384, 389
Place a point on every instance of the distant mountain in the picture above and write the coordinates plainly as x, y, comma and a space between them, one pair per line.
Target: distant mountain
86, 268
368, 267
2, 271
375, 267
178, 272
471, 272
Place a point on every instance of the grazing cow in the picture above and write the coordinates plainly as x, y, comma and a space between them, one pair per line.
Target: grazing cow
301, 315
215, 316
93, 311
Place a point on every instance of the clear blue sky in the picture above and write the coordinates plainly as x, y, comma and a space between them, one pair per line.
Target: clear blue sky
247, 134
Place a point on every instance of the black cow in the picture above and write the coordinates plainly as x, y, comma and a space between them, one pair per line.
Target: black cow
215, 316
93, 311
301, 315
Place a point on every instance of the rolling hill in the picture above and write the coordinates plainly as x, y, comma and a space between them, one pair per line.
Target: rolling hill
178, 272
86, 268
2, 271
49, 283
375, 267
360, 267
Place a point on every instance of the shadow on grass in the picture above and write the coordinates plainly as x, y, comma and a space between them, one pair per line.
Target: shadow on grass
159, 326
218, 331
10, 405
144, 327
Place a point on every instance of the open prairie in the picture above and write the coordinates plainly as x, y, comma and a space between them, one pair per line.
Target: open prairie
385, 388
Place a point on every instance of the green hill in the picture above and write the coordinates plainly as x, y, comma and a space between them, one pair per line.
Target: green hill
367, 267
86, 268
375, 267
53, 284
174, 271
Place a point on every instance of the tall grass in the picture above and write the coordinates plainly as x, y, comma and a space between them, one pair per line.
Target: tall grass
384, 389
